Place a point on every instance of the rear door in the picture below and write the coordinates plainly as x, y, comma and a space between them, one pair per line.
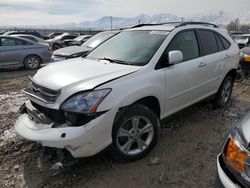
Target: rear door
216, 58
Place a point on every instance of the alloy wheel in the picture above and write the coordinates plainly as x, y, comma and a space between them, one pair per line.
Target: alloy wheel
135, 135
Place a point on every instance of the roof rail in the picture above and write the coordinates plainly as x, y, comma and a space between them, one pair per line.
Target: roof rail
197, 23
149, 24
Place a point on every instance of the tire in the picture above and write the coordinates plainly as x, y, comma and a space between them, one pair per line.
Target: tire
56, 46
240, 76
224, 93
32, 62
135, 133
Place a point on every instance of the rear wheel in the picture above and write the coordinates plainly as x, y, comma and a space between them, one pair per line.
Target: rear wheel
135, 133
32, 62
224, 93
240, 75
56, 46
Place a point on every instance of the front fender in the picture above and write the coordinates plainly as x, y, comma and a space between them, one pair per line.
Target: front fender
131, 88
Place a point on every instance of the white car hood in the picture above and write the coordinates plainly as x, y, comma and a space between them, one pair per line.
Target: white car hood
78, 71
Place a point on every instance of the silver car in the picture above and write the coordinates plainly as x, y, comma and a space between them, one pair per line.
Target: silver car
18, 52
77, 51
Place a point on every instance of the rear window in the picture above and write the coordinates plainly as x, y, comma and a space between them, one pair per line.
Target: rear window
219, 43
30, 38
209, 44
225, 42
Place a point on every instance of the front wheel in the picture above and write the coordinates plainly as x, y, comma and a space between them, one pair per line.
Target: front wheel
224, 93
135, 133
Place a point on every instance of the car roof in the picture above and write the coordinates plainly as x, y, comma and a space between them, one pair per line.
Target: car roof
17, 35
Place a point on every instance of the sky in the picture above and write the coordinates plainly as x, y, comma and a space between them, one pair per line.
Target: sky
47, 12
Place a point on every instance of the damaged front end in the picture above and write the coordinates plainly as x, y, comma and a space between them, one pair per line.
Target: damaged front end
74, 128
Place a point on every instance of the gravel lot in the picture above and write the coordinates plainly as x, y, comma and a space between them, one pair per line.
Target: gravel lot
185, 155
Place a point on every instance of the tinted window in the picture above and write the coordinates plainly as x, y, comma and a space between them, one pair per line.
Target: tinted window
225, 42
68, 37
185, 42
219, 43
209, 43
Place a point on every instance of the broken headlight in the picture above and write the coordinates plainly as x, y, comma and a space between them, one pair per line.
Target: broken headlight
86, 102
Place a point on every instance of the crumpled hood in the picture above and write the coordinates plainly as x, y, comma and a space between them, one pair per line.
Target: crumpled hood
71, 50
245, 127
79, 72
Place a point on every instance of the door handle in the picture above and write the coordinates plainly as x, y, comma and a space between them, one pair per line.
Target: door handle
227, 56
202, 64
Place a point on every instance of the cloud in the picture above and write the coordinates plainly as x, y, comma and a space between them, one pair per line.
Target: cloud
43, 12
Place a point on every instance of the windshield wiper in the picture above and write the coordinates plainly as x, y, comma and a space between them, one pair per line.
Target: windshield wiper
114, 60
119, 61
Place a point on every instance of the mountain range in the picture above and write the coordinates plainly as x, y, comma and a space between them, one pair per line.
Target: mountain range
217, 17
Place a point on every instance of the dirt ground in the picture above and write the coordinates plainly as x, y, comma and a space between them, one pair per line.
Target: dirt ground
185, 154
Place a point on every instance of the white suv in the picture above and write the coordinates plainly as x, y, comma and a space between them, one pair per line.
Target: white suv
120, 91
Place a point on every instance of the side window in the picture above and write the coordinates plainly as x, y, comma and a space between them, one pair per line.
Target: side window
186, 42
10, 42
68, 37
30, 38
219, 43
225, 42
26, 43
208, 40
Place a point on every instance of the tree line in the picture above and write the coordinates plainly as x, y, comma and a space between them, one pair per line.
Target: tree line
237, 27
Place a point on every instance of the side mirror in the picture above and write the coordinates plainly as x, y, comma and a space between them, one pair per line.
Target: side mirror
175, 57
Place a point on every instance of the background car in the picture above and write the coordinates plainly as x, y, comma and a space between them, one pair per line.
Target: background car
54, 34
77, 51
35, 33
77, 41
242, 40
18, 52
33, 38
59, 41
233, 164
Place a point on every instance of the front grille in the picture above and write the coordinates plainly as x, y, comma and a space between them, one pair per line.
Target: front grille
42, 93
45, 115
55, 115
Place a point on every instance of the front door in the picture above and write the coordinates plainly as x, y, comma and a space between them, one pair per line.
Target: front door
186, 81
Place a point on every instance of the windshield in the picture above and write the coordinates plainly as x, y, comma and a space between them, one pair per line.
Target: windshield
130, 47
97, 39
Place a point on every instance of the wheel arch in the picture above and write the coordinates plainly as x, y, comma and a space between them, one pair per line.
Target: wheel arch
232, 73
151, 102
32, 55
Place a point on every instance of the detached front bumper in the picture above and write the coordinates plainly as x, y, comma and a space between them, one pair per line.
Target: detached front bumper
81, 141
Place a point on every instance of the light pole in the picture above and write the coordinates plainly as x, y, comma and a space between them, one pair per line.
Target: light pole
111, 22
